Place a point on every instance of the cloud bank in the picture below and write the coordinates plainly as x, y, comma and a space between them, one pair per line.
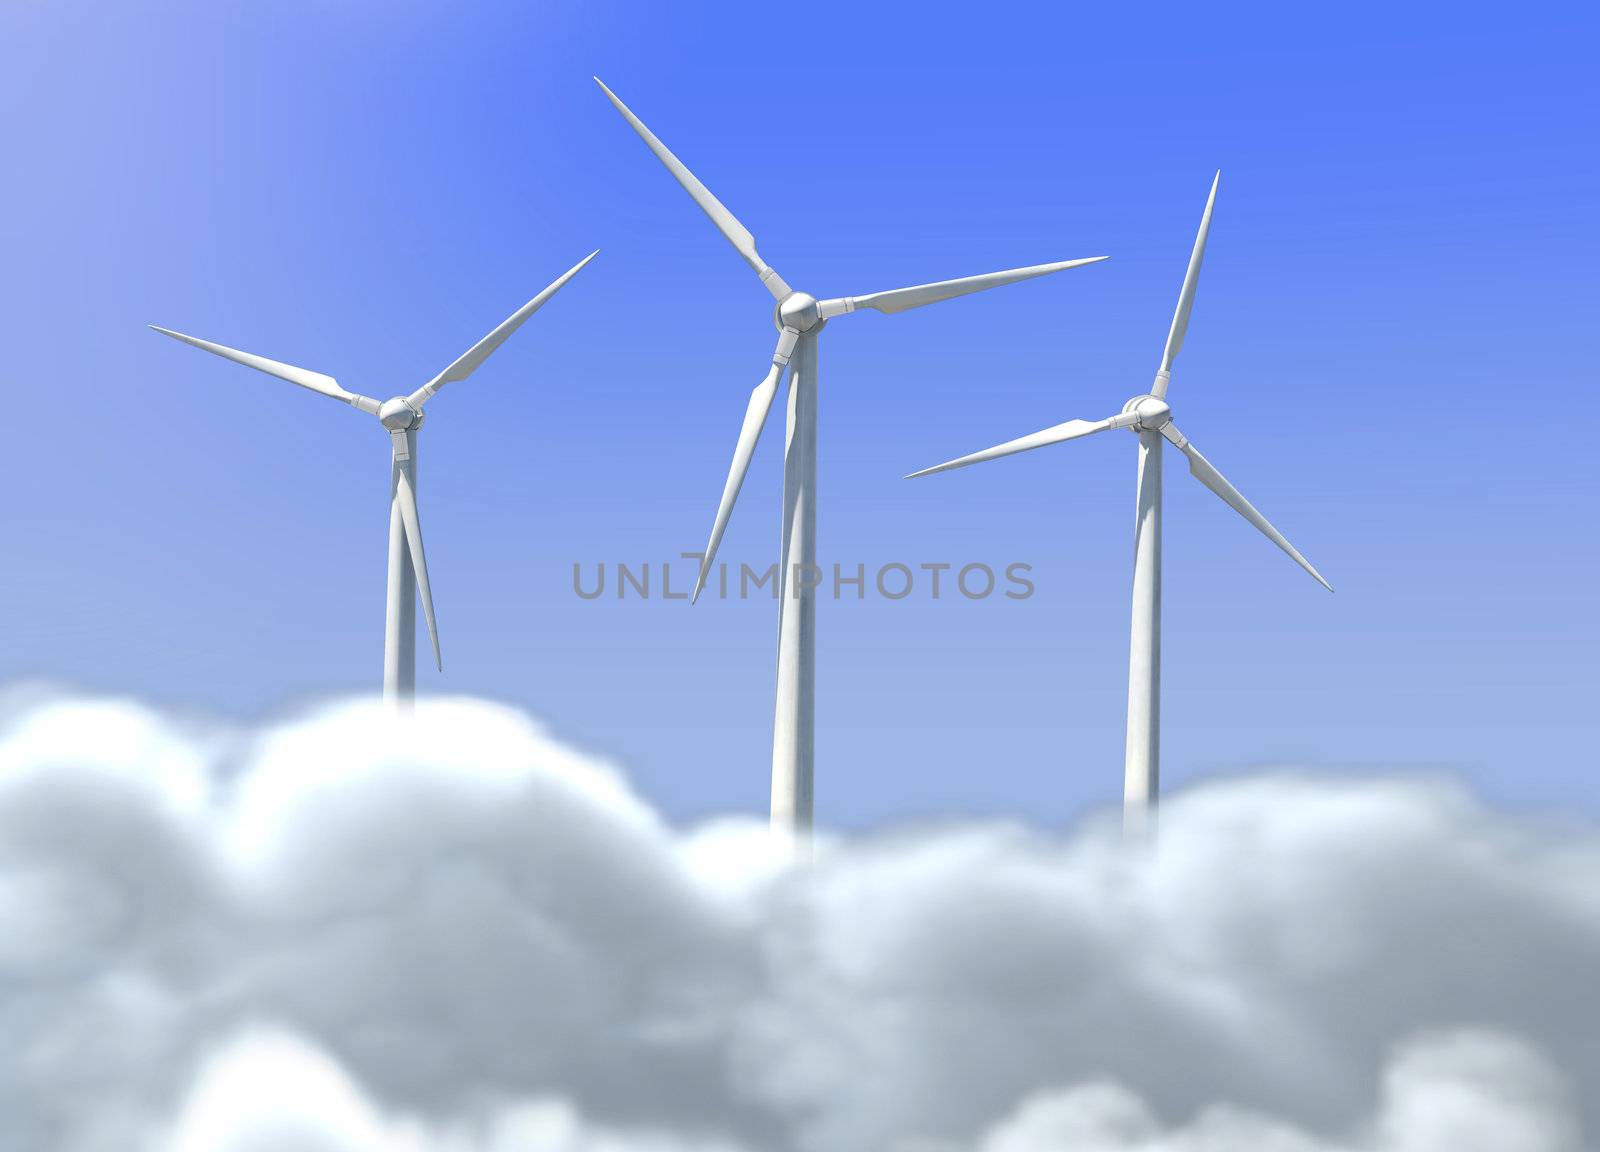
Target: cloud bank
330, 935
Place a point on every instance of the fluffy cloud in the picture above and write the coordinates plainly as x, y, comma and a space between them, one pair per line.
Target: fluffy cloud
334, 934
312, 1105
1460, 1092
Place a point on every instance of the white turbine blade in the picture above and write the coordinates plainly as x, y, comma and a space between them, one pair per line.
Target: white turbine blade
755, 418
304, 377
468, 363
900, 299
419, 558
1207, 474
1191, 280
1071, 430
728, 224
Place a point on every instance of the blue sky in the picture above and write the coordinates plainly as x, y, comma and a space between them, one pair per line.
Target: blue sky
1391, 355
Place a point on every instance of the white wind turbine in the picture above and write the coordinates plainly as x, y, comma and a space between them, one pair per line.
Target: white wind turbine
799, 319
402, 416
1149, 415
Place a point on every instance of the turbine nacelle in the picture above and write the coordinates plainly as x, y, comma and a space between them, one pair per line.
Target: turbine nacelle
1150, 413
797, 310
398, 415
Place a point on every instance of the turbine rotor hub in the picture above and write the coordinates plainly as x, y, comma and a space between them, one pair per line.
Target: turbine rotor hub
797, 310
1152, 413
398, 415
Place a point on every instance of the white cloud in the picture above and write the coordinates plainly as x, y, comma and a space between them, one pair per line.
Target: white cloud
1457, 1092
329, 936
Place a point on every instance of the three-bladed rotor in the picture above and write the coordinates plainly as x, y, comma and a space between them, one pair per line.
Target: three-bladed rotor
797, 314
402, 416
1150, 412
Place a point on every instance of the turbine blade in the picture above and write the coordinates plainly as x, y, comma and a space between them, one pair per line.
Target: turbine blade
1071, 430
1207, 474
900, 299
755, 418
728, 224
419, 558
468, 362
304, 377
1191, 280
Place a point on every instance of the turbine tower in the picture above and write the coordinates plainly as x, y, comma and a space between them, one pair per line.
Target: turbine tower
1150, 417
799, 319
403, 417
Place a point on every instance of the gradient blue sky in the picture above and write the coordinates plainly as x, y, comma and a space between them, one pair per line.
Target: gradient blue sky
1391, 355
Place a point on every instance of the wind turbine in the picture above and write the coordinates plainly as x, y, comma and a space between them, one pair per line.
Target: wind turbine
799, 318
402, 416
1151, 418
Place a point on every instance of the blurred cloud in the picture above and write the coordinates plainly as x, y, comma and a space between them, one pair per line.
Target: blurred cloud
336, 933
1460, 1092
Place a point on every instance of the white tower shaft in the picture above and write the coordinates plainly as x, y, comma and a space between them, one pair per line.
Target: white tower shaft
1142, 764
400, 624
798, 576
